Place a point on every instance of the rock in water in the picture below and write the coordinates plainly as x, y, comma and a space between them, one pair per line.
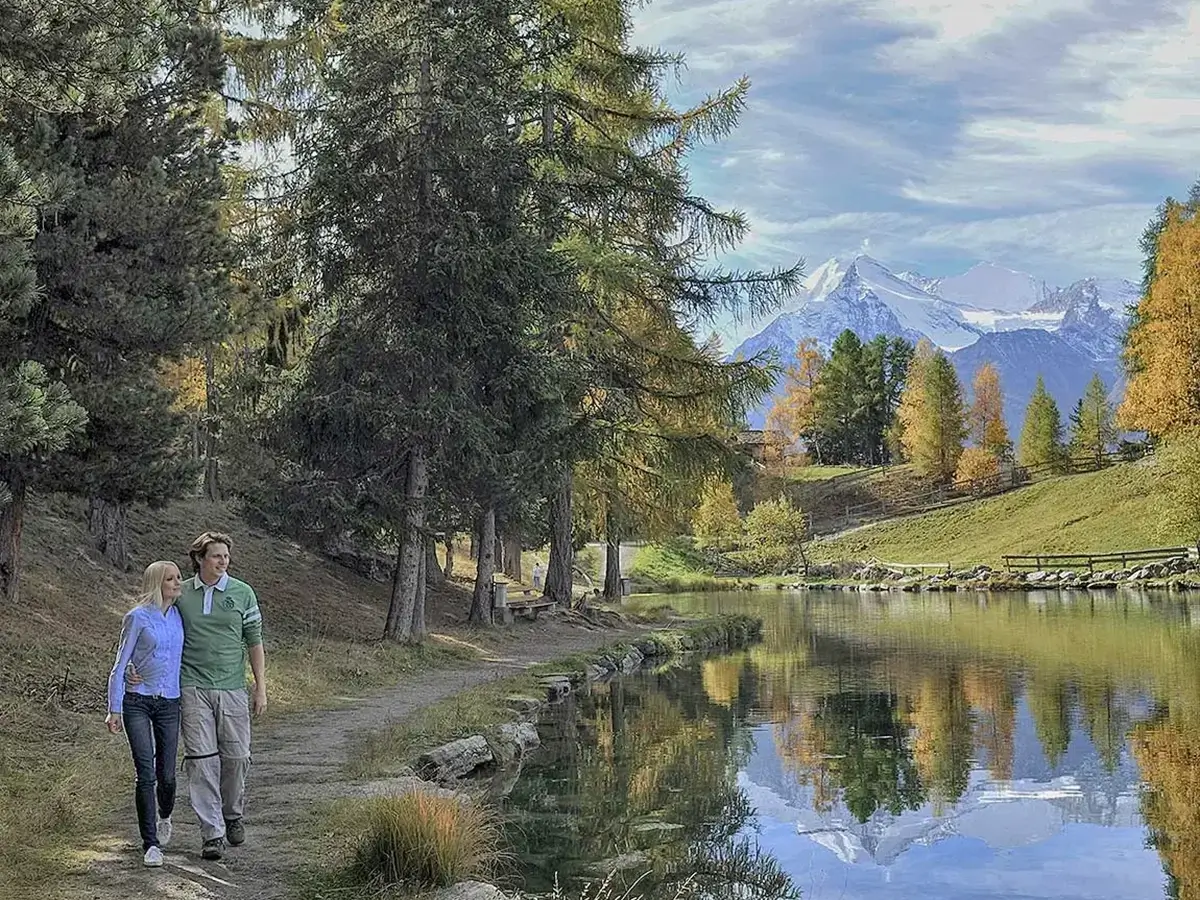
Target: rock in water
456, 759
513, 741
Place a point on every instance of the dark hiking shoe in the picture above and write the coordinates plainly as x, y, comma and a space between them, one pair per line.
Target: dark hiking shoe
214, 848
235, 832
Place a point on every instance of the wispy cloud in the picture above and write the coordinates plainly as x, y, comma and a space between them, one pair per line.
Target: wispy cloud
1039, 134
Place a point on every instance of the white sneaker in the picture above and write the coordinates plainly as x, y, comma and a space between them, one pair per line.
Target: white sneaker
153, 858
165, 830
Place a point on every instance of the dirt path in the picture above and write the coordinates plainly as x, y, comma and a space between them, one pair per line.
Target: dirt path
297, 762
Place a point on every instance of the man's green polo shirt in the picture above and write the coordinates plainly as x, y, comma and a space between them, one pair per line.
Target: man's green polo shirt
219, 622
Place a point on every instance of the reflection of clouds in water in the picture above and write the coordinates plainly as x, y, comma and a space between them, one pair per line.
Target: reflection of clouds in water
1020, 839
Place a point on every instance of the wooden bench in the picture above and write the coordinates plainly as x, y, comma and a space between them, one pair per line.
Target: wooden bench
530, 608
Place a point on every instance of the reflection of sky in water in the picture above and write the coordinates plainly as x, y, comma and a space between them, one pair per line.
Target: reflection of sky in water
1088, 862
1071, 833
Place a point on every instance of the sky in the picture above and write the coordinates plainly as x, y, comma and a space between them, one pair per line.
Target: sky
1039, 135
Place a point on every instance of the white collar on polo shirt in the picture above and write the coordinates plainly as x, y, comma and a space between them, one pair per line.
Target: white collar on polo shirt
222, 583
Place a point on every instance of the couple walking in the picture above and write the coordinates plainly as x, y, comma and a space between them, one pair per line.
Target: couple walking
181, 668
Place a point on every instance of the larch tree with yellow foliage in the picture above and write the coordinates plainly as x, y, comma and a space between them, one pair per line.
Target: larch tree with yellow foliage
931, 414
989, 434
794, 412
1163, 350
1162, 357
717, 523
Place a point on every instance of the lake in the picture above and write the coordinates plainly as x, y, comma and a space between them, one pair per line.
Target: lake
886, 746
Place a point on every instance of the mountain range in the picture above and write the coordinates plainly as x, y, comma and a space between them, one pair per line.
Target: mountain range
1020, 324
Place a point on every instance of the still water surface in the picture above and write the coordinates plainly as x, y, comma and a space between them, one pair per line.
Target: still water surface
1041, 746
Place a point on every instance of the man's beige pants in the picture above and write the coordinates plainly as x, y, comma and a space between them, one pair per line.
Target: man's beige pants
216, 755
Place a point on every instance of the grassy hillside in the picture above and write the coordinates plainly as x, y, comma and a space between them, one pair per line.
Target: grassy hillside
826, 492
1118, 508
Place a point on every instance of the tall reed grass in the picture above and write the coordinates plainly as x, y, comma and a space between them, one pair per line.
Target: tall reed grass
425, 840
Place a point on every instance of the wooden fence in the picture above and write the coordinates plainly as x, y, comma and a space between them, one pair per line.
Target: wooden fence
964, 491
1091, 561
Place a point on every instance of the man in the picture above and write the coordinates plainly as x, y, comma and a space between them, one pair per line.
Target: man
221, 623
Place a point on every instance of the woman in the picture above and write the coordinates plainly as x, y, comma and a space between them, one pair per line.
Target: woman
152, 640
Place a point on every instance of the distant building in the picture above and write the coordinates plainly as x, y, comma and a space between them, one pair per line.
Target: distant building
763, 446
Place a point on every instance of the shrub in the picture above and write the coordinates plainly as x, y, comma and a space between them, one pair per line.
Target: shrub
425, 840
775, 532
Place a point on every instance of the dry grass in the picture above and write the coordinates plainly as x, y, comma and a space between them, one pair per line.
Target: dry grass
63, 777
422, 840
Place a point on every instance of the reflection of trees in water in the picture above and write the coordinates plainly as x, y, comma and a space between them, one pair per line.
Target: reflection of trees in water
1050, 706
990, 693
853, 746
643, 777
1168, 751
1108, 721
1098, 656
942, 740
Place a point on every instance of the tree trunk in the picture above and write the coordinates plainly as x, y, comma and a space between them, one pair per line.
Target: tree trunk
449, 570
433, 572
419, 631
410, 552
512, 556
560, 571
212, 479
612, 559
474, 551
498, 558
481, 600
107, 527
12, 518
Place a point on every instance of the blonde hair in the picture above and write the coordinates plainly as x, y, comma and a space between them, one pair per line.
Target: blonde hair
152, 582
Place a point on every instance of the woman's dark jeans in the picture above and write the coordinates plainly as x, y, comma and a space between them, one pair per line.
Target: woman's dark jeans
152, 725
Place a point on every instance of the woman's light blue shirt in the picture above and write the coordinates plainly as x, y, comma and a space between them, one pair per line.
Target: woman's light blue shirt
153, 641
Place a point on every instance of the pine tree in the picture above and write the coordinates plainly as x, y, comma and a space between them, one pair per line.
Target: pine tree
1041, 436
438, 364
931, 414
1093, 425
885, 364
988, 431
133, 268
842, 402
1163, 346
58, 58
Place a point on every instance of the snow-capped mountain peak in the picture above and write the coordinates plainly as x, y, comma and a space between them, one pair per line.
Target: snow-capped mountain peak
859, 284
989, 286
1065, 334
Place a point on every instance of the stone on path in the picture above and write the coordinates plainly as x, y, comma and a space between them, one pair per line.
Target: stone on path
469, 890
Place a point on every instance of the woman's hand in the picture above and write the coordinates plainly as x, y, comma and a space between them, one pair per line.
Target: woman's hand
113, 722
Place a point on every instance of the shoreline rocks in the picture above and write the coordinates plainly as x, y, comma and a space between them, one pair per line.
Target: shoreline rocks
1180, 573
507, 744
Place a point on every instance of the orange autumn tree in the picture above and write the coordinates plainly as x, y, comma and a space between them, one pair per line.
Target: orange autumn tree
989, 434
1163, 360
794, 412
1163, 352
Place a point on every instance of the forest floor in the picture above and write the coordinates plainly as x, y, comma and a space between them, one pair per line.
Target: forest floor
67, 826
